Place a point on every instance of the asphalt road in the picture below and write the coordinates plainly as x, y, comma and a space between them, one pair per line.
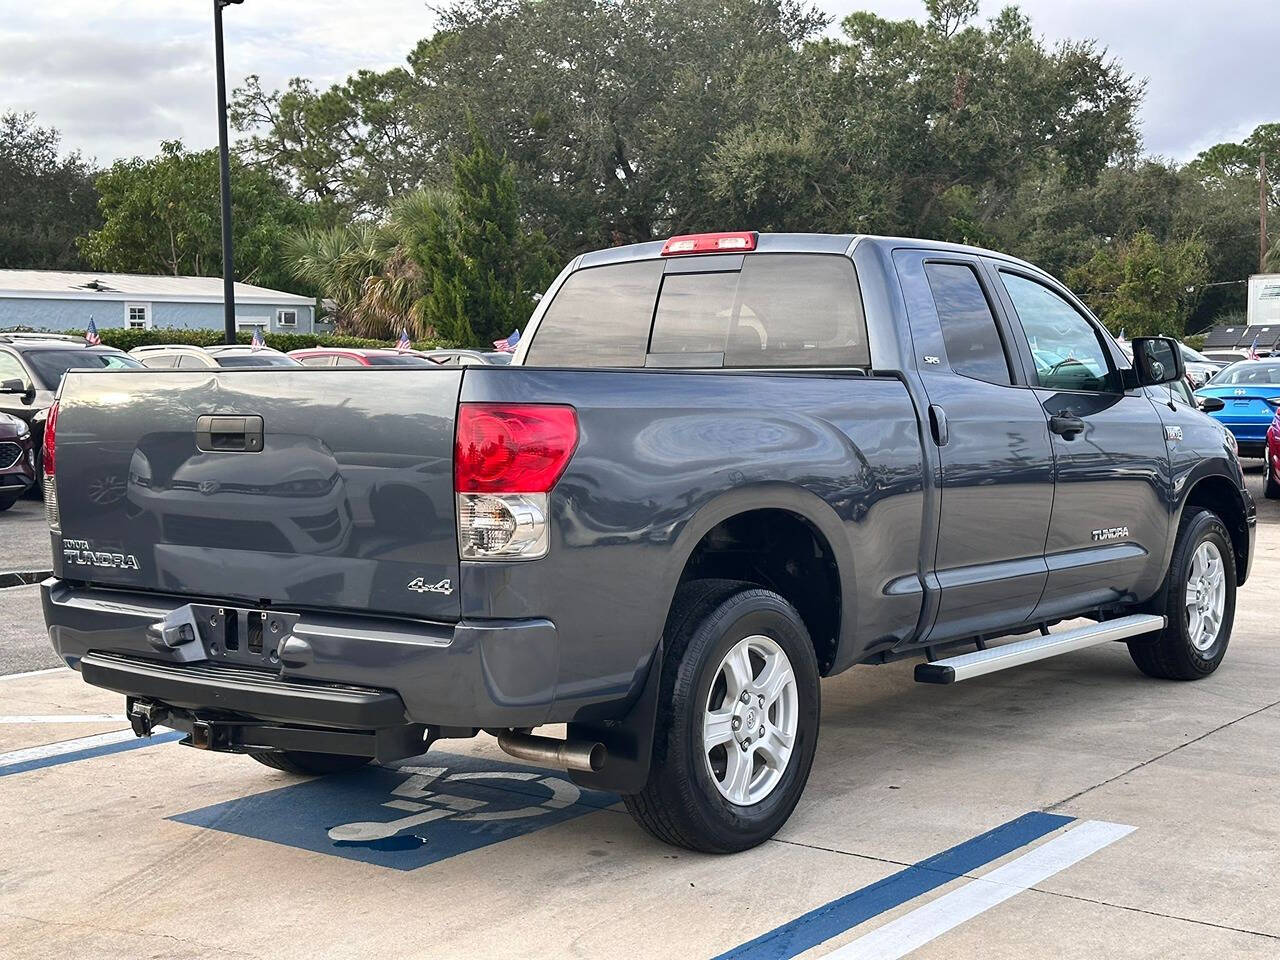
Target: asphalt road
24, 538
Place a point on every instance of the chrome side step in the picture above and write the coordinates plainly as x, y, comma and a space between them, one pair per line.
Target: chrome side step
975, 664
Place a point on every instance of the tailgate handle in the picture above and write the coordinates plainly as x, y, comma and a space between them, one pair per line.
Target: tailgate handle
218, 433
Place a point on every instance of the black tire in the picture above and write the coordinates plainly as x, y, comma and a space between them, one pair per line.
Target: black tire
1270, 488
309, 764
1171, 655
7, 502
680, 804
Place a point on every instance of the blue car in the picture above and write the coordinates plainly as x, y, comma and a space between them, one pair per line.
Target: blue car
1250, 392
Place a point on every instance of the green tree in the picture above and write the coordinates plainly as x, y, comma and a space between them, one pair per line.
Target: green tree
368, 269
483, 270
46, 201
161, 215
608, 111
1144, 286
926, 128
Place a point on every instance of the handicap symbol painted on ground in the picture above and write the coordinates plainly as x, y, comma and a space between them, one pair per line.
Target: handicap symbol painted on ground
407, 815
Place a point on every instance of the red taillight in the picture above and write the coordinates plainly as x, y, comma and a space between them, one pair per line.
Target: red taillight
502, 448
710, 243
50, 427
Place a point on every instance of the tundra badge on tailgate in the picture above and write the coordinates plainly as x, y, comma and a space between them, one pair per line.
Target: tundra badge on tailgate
81, 553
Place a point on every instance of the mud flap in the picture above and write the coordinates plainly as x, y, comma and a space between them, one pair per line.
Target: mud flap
629, 739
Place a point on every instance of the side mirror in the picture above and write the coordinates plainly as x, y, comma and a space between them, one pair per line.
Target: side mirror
1157, 360
13, 386
1211, 404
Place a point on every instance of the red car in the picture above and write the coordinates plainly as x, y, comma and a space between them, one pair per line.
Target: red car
357, 357
1271, 483
17, 460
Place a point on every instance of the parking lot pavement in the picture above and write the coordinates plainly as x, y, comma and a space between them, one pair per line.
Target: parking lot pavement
24, 645
24, 539
1067, 809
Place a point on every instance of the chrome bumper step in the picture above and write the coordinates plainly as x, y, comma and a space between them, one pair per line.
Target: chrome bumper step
968, 665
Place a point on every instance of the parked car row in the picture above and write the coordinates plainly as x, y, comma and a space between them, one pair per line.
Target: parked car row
1245, 398
177, 356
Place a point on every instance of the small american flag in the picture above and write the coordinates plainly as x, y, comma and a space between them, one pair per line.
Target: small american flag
1253, 349
509, 344
257, 343
403, 343
91, 335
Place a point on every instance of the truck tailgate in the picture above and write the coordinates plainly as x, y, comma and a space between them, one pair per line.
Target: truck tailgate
287, 487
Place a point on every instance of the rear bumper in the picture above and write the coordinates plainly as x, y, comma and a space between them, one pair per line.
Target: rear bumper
331, 671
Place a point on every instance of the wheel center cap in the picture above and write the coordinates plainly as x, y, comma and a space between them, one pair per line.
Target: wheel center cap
751, 718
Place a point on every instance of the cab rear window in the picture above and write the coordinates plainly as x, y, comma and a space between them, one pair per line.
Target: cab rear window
774, 310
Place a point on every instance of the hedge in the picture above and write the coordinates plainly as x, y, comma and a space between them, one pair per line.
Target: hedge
125, 339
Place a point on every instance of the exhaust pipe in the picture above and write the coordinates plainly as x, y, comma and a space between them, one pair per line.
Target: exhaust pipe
570, 754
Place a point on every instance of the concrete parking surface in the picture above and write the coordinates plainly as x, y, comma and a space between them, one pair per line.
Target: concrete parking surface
1071, 808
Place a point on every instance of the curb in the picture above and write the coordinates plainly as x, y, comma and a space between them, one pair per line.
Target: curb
21, 578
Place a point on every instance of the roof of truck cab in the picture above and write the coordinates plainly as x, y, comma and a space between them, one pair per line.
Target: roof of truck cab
797, 243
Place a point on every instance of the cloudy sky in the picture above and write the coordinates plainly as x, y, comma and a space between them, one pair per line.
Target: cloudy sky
118, 76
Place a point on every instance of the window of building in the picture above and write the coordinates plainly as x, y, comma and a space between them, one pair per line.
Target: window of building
137, 316
287, 318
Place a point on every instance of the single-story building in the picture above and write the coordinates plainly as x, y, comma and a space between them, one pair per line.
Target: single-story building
65, 300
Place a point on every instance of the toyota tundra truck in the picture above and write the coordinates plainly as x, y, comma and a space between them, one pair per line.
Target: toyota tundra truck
720, 468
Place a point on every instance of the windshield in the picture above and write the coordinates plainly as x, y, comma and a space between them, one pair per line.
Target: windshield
256, 360
50, 365
1192, 356
391, 360
1249, 371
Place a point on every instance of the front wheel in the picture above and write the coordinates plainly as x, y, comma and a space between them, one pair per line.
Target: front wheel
1200, 603
6, 502
733, 747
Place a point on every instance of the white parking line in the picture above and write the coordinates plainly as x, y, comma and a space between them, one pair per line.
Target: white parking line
33, 673
67, 718
64, 746
913, 930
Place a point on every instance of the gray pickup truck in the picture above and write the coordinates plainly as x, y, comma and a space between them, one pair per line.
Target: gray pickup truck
719, 469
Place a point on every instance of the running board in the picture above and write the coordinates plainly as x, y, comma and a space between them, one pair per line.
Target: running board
1015, 654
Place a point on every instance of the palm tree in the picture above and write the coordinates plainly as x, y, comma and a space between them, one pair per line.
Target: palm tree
371, 271
1271, 263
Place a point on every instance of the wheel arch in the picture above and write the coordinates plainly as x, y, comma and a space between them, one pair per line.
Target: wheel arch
728, 538
1219, 493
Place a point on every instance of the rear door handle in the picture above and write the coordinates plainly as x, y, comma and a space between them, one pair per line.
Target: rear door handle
216, 433
938, 425
1066, 425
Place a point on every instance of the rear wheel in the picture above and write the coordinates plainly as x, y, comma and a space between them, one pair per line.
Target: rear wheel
732, 750
309, 764
1200, 603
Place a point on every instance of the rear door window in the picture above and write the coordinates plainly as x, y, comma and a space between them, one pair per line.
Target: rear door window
969, 332
600, 318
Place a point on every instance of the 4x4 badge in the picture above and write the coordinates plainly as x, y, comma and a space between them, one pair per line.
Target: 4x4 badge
418, 585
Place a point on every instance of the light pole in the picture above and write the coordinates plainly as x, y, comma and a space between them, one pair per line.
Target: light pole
224, 160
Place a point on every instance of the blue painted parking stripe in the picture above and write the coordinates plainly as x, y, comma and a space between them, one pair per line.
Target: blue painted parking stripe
36, 758
819, 925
